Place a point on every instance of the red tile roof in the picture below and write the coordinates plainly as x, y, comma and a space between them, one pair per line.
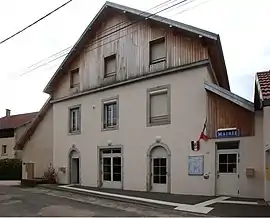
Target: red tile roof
15, 121
264, 83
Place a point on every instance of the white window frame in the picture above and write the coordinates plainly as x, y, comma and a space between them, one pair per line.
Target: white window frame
105, 103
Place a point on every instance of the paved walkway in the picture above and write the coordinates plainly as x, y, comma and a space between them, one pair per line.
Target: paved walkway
201, 205
10, 182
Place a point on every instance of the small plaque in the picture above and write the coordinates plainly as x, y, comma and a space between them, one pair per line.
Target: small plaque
227, 133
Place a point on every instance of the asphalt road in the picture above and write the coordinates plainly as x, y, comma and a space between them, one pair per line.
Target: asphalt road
19, 201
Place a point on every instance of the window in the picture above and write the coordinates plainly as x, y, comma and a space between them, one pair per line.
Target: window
110, 66
158, 106
160, 170
74, 78
4, 149
157, 50
75, 119
227, 163
110, 114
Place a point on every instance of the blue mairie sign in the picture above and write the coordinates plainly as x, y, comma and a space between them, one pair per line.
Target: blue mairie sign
227, 133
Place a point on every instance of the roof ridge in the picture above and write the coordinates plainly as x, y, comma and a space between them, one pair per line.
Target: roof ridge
19, 114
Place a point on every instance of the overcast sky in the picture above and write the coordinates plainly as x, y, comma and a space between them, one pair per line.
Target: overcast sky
245, 38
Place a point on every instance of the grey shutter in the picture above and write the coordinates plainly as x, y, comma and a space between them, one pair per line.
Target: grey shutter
159, 104
110, 65
157, 50
79, 119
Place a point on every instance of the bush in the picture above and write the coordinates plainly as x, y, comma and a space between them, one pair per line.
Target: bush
50, 175
10, 169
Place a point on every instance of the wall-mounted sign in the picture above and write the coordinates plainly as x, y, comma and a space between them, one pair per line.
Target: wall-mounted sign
226, 133
195, 165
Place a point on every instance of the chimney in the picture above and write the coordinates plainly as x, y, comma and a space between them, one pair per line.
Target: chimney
7, 112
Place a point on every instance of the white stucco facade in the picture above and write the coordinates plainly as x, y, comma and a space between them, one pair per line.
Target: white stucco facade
188, 113
38, 150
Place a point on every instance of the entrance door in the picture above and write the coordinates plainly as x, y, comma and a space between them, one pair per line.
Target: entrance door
159, 174
227, 172
30, 170
111, 168
75, 171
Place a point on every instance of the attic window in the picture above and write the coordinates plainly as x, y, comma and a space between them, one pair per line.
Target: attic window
110, 66
74, 78
157, 50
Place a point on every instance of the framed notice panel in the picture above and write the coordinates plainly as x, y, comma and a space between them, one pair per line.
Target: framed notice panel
195, 165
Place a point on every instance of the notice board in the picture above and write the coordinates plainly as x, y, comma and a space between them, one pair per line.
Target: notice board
195, 165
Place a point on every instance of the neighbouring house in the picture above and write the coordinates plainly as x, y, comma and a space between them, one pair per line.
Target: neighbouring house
11, 129
143, 103
36, 144
262, 105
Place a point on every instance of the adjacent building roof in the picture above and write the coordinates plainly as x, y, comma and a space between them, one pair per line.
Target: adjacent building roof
15, 121
229, 96
30, 131
212, 38
263, 82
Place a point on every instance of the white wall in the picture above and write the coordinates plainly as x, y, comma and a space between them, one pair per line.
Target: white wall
39, 149
266, 141
10, 143
187, 97
188, 113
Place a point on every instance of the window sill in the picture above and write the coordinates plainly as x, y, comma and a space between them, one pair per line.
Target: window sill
74, 133
160, 123
110, 128
110, 76
158, 61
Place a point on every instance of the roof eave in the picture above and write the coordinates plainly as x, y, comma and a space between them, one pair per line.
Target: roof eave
27, 133
223, 62
158, 18
229, 96
47, 89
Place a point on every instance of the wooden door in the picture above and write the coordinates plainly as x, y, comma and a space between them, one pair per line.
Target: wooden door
30, 170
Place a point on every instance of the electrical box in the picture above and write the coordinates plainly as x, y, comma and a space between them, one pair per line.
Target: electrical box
250, 172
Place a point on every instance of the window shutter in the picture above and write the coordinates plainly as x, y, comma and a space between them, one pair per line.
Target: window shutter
79, 119
105, 120
76, 78
157, 50
110, 65
159, 104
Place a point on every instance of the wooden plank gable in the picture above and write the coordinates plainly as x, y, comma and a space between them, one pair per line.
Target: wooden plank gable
223, 113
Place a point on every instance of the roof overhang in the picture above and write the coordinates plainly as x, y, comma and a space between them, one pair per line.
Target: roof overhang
31, 129
229, 96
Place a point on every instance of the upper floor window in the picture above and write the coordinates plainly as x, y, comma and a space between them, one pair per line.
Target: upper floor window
158, 105
110, 114
75, 119
74, 78
110, 66
4, 149
157, 50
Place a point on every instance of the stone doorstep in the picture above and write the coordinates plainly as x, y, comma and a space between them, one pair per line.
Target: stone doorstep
153, 205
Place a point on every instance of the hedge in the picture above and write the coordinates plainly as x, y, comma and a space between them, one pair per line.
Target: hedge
10, 169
